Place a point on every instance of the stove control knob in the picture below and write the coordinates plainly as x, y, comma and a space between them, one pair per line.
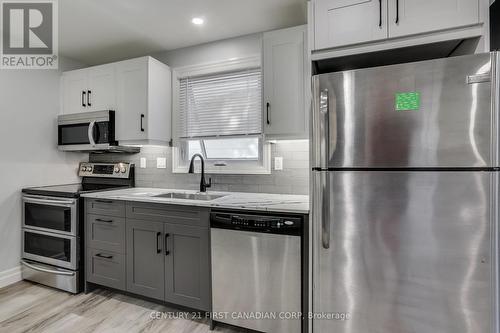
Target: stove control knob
117, 169
123, 169
288, 223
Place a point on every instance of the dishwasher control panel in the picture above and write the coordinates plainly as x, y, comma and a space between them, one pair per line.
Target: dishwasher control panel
277, 224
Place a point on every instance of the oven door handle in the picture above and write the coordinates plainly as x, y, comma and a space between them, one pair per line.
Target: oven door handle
63, 203
40, 269
90, 133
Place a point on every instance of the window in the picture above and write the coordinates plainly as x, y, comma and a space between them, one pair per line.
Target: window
226, 149
219, 115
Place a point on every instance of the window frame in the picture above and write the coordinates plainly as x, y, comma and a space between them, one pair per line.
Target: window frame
232, 166
259, 166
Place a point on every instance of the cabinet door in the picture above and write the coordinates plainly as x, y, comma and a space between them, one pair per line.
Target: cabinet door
407, 17
145, 259
74, 90
132, 93
345, 22
284, 82
105, 233
187, 266
102, 88
105, 268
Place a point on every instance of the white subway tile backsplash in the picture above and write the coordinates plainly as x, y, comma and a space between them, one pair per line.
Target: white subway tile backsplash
293, 179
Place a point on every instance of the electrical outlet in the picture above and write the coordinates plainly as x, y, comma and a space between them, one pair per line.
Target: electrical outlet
278, 163
161, 163
143, 163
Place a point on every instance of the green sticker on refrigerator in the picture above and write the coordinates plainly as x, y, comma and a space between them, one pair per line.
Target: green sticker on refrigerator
407, 101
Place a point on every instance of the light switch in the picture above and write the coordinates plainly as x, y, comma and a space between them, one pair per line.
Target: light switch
161, 163
143, 162
278, 163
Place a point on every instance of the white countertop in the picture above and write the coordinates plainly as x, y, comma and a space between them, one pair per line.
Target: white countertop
231, 200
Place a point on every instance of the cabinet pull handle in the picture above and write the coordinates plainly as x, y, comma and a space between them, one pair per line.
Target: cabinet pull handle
100, 255
268, 105
83, 99
380, 13
397, 11
142, 127
158, 249
167, 252
104, 201
105, 221
88, 97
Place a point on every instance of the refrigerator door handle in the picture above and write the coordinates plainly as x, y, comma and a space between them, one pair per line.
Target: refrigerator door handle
321, 209
324, 127
325, 210
479, 78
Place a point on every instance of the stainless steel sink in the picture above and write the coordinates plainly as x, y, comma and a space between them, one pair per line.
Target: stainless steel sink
189, 196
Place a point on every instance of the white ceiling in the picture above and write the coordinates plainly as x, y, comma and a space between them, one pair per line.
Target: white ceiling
99, 31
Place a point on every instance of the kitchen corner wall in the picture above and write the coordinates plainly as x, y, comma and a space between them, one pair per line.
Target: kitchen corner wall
29, 105
293, 179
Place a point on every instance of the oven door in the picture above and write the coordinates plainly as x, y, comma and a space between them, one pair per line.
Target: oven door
51, 214
49, 248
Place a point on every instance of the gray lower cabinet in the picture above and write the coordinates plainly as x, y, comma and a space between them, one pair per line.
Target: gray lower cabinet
153, 250
187, 272
145, 258
106, 232
105, 207
106, 268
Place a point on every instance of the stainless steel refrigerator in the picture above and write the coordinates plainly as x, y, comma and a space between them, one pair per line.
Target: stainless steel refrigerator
405, 199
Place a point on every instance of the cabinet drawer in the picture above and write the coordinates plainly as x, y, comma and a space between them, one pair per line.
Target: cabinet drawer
188, 215
106, 233
105, 207
106, 268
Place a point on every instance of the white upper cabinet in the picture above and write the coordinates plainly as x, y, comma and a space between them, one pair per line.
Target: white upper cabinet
285, 80
409, 17
343, 22
87, 90
138, 90
101, 88
74, 90
132, 99
144, 90
339, 23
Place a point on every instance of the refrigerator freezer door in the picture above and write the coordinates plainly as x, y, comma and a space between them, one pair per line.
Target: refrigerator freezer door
408, 252
426, 114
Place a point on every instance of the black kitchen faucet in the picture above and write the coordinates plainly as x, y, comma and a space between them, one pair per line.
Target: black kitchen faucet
203, 184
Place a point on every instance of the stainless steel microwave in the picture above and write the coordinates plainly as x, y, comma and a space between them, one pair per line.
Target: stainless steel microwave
89, 131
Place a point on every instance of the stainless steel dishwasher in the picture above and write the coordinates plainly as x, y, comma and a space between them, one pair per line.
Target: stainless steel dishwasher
256, 271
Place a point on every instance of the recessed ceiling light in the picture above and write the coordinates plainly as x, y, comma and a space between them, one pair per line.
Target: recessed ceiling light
197, 20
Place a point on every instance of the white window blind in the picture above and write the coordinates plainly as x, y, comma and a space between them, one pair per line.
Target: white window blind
221, 105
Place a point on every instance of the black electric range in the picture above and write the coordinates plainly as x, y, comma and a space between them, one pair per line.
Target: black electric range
95, 177
53, 228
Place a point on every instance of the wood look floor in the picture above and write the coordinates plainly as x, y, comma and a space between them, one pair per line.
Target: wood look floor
29, 307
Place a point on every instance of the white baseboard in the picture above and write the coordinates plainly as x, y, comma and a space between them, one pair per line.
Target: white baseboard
10, 276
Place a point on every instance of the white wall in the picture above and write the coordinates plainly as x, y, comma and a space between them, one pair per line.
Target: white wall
29, 105
239, 47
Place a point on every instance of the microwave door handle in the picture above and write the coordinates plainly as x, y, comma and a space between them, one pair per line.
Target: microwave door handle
91, 133
40, 269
